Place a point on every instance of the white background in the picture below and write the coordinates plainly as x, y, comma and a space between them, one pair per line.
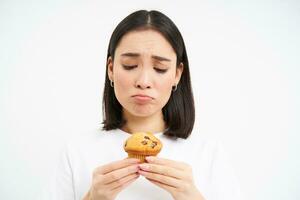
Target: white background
244, 59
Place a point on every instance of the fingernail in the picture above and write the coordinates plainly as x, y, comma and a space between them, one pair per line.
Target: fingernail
134, 160
144, 166
149, 158
141, 172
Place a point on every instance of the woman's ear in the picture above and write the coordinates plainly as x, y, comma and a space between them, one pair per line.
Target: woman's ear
110, 68
179, 71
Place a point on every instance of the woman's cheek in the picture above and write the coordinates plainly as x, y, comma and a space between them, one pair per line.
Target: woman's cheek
164, 88
122, 84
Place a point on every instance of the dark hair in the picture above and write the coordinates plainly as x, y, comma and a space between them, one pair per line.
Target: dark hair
179, 112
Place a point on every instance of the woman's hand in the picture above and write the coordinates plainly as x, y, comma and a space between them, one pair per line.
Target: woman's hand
109, 180
175, 177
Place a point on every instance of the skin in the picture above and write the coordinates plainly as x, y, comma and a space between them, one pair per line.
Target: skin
152, 76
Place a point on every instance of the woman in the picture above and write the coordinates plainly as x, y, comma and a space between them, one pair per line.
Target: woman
147, 88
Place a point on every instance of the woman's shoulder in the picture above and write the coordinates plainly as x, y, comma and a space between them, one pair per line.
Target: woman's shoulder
94, 137
203, 140
197, 144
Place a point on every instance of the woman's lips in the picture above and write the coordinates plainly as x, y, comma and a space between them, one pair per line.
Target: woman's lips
142, 99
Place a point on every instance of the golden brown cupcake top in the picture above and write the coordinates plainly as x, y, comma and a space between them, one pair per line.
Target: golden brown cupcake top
143, 143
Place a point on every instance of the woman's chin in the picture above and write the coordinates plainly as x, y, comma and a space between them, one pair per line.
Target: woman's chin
142, 112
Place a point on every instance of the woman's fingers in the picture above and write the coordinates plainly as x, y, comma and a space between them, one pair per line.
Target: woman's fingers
166, 162
123, 181
161, 169
166, 187
124, 185
161, 178
175, 177
116, 165
119, 173
111, 178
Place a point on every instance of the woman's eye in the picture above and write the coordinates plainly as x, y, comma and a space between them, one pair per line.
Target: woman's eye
129, 67
160, 70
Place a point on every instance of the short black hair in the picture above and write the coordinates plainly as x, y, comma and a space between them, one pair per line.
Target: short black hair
179, 112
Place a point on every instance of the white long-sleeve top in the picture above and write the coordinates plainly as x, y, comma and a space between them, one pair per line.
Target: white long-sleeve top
213, 175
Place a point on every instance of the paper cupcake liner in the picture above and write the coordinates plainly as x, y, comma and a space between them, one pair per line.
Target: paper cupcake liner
141, 157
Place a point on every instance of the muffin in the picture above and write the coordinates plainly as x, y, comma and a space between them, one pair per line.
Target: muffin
142, 144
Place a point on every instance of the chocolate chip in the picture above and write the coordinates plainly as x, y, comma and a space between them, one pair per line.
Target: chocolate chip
153, 144
144, 142
146, 137
125, 144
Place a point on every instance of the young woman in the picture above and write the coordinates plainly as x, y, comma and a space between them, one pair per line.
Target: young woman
147, 88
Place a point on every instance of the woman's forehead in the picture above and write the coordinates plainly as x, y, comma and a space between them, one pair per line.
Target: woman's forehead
145, 42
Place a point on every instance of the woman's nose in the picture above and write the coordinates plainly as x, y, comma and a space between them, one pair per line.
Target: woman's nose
143, 80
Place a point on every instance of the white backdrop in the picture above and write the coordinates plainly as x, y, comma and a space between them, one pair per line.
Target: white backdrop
244, 59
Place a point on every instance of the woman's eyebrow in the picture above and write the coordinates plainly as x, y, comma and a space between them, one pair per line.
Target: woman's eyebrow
159, 58
131, 54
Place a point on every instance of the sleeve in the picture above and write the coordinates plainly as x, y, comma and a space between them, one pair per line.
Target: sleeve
225, 185
60, 185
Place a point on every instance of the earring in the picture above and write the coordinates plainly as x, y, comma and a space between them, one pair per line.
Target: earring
174, 88
111, 83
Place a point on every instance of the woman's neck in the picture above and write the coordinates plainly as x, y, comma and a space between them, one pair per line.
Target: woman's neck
154, 123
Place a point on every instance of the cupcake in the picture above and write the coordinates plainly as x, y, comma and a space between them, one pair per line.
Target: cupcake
142, 144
